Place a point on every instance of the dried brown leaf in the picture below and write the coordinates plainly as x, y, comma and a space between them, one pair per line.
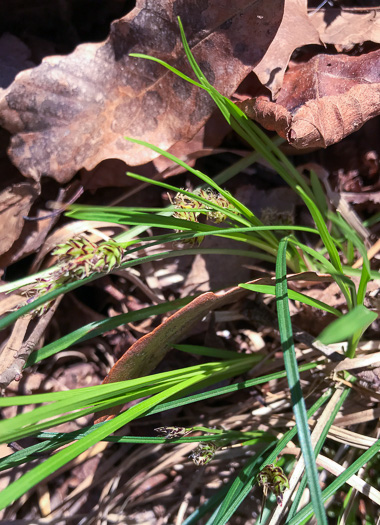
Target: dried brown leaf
295, 31
73, 111
323, 100
144, 355
345, 29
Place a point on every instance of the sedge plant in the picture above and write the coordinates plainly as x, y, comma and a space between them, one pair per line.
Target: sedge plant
80, 262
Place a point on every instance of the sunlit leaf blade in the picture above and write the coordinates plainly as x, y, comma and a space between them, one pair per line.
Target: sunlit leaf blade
342, 329
298, 402
99, 327
296, 296
37, 474
242, 485
307, 512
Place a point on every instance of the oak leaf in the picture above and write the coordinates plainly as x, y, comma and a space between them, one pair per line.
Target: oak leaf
73, 111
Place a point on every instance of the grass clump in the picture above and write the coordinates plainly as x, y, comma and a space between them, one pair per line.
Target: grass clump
81, 262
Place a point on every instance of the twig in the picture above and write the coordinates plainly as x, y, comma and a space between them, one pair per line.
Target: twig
15, 353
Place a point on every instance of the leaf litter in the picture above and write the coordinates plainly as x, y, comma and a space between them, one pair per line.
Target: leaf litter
82, 105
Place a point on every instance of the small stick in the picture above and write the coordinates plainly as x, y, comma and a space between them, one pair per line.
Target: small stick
16, 353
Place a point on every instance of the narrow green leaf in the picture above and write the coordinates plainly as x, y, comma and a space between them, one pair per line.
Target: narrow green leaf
37, 474
242, 485
295, 296
319, 194
342, 329
354, 238
307, 512
323, 231
345, 393
99, 327
298, 402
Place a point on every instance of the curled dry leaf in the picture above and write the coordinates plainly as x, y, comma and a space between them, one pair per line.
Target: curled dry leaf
73, 111
144, 355
345, 29
323, 100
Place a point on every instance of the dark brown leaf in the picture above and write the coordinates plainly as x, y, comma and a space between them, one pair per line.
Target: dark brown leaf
73, 112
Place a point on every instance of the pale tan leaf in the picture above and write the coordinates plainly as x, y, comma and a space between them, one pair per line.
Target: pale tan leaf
345, 29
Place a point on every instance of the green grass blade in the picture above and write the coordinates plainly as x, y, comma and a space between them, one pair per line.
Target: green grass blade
20, 457
323, 231
88, 393
161, 407
250, 216
246, 212
19, 487
330, 246
245, 127
240, 489
97, 328
242, 485
295, 296
298, 403
319, 194
213, 502
98, 398
167, 66
33, 477
342, 329
54, 440
354, 238
225, 390
307, 512
345, 393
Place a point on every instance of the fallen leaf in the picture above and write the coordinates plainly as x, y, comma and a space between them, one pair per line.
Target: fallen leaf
15, 203
72, 111
323, 100
144, 355
112, 172
295, 31
29, 241
345, 29
34, 232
